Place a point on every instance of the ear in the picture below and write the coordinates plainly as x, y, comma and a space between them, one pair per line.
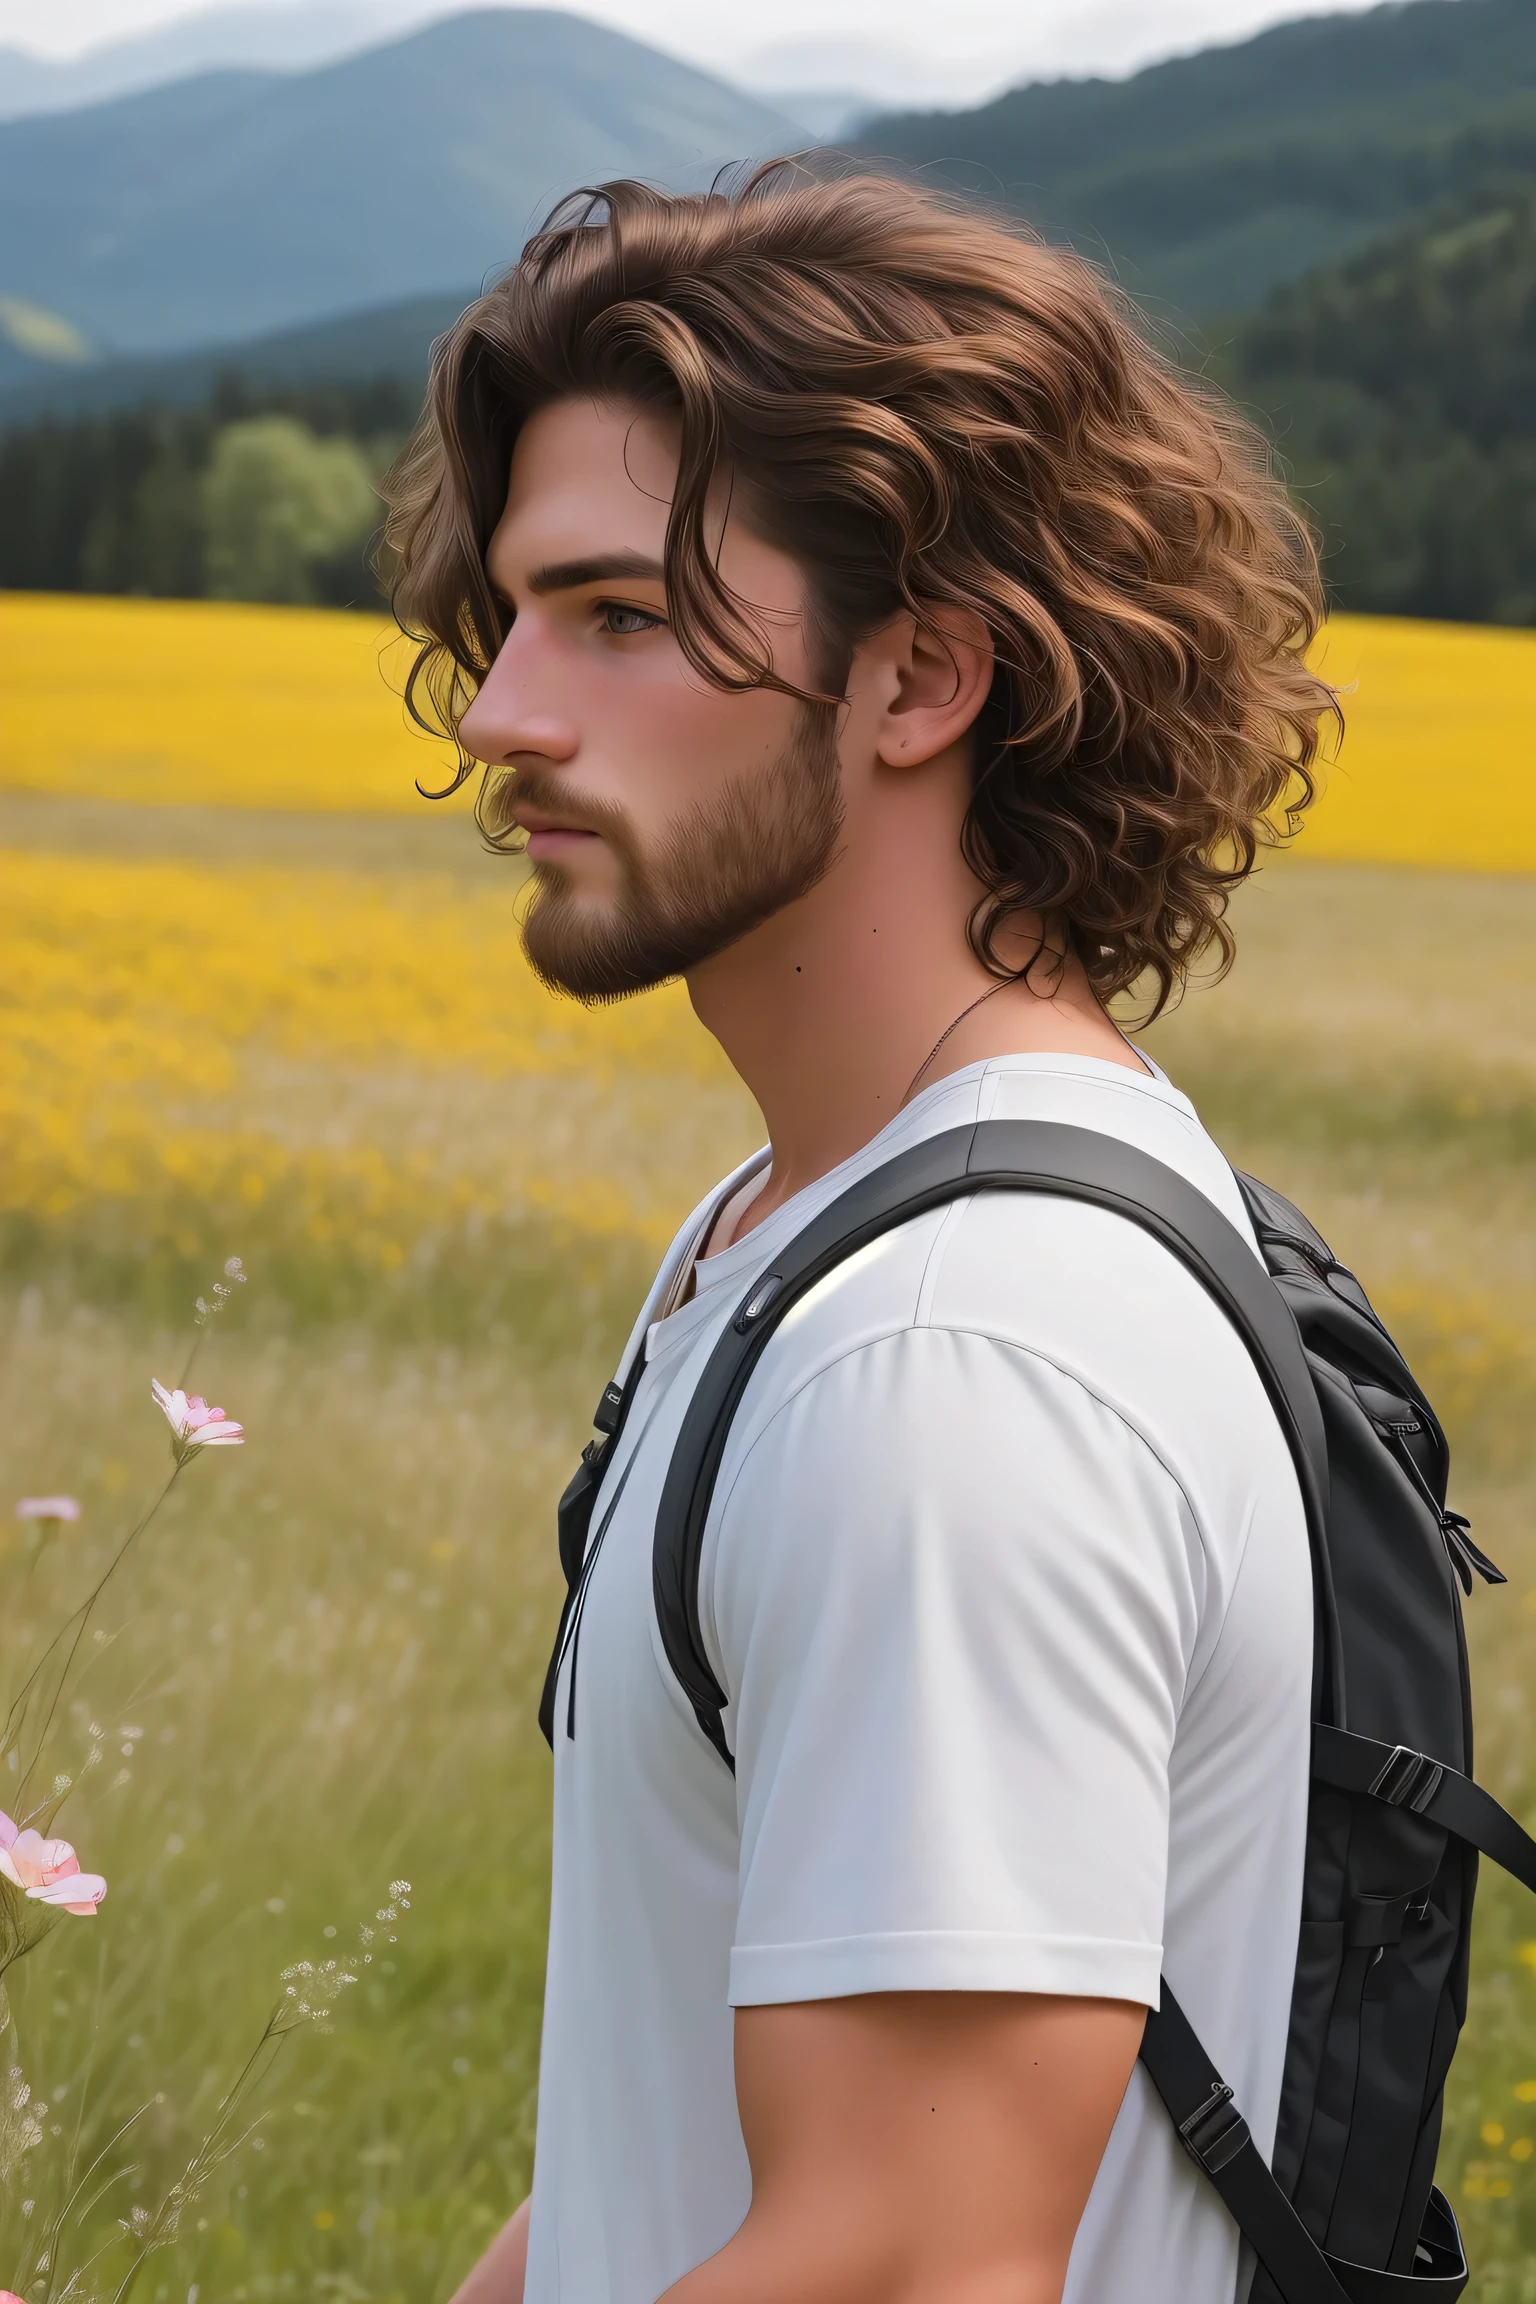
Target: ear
939, 675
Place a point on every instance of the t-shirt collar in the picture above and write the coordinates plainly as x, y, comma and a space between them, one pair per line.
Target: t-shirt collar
731, 1270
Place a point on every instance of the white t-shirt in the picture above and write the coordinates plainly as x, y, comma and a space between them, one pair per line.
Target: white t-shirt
1006, 1578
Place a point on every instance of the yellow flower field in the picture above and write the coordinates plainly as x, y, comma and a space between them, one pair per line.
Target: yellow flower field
355, 1066
406, 968
209, 701
1438, 763
258, 998
206, 702
319, 1059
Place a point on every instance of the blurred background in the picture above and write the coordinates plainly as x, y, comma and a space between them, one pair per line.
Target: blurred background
264, 1000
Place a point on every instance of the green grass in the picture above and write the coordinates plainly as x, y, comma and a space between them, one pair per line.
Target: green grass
332, 1639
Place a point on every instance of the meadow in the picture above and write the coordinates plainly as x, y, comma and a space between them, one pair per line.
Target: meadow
262, 1000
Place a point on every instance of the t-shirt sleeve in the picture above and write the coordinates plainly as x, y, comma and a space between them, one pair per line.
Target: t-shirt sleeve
954, 1597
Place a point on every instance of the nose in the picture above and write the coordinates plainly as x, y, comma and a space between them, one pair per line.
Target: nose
507, 721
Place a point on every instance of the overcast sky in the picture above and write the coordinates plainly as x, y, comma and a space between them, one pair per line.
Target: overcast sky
958, 49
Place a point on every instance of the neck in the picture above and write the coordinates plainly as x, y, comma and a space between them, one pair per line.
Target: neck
831, 1009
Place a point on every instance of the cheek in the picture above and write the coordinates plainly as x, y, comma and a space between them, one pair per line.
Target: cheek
674, 742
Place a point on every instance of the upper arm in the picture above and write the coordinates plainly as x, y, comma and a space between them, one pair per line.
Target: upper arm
955, 1598
923, 2145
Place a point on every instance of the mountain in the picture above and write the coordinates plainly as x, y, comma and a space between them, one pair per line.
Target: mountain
387, 343
1208, 180
285, 38
238, 202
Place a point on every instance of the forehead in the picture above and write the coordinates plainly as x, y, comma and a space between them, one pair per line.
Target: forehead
586, 475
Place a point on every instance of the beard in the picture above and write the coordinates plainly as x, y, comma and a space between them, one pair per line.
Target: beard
722, 868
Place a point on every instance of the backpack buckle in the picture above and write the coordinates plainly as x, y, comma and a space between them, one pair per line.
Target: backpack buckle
1406, 1779
1215, 2131
757, 1303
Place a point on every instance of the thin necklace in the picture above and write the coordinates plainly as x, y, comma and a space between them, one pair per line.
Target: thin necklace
981, 999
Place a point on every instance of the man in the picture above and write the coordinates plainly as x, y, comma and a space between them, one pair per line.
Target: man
859, 620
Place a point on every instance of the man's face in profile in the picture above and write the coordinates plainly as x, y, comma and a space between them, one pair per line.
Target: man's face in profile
665, 818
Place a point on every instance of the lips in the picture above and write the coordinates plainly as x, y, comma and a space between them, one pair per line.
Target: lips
549, 836
536, 821
556, 840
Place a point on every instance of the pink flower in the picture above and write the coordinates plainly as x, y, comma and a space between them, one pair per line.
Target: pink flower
7, 2296
194, 1424
45, 1508
49, 1872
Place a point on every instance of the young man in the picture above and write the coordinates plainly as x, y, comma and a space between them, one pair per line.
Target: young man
860, 621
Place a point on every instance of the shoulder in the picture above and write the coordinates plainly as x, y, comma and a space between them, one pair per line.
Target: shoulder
1012, 1417
1046, 1282
1047, 1275
1010, 1353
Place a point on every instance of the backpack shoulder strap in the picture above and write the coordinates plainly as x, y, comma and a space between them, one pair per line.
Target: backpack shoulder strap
987, 1156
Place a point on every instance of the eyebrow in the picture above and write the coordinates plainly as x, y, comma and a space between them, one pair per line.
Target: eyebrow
604, 568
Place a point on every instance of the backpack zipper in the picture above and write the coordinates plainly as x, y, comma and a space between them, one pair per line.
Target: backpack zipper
1455, 1527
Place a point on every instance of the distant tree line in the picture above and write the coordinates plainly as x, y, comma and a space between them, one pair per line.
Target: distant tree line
1399, 388
258, 495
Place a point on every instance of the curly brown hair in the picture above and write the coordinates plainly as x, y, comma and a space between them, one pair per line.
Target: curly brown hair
927, 407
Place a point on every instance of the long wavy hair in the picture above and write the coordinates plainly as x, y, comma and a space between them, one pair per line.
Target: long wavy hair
929, 408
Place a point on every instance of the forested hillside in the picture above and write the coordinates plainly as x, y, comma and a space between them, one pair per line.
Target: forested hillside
1208, 180
1400, 389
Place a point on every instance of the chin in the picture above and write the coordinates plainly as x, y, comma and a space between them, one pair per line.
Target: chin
588, 888
568, 905
576, 944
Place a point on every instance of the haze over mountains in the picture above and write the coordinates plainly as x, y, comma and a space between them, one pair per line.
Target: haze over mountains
234, 202
888, 54
279, 37
351, 208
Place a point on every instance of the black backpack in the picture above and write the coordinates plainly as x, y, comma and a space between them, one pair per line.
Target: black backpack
1348, 2211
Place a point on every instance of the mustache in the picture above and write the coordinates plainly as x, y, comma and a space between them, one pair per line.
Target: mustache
549, 795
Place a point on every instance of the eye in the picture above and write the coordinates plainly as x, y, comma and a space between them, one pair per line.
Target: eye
624, 622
